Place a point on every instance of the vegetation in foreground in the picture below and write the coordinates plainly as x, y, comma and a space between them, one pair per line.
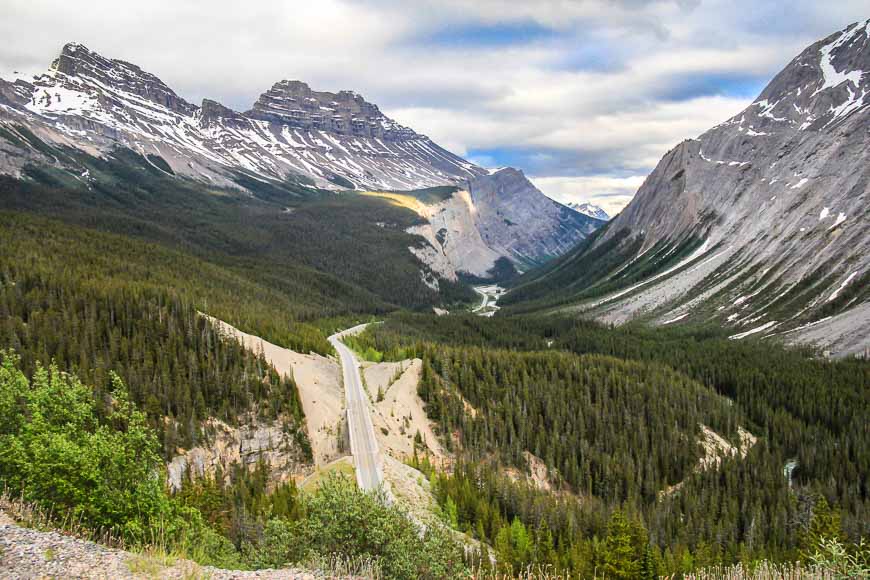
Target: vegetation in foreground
98, 469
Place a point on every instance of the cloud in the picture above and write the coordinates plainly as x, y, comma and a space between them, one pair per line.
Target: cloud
573, 90
610, 193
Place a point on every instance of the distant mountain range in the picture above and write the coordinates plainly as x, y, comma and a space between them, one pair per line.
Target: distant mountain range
591, 210
760, 224
292, 135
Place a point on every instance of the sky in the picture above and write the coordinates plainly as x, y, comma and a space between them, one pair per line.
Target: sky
584, 96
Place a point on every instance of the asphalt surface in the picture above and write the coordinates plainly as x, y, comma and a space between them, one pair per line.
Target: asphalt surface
363, 444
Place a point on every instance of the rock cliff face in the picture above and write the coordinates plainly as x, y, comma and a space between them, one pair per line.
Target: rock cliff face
246, 446
454, 243
333, 140
498, 224
760, 223
518, 221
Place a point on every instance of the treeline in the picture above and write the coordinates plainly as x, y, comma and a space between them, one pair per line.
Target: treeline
808, 409
78, 299
34, 245
534, 382
613, 429
530, 528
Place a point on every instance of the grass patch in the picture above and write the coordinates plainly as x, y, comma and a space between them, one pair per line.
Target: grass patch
342, 466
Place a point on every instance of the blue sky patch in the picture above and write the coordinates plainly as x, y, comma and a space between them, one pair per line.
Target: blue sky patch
481, 35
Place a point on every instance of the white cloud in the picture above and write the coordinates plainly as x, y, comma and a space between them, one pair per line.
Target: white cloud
610, 193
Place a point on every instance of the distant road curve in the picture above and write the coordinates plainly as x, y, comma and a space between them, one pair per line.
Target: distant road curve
489, 297
367, 457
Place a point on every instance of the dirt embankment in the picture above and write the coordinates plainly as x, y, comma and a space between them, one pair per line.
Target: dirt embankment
398, 413
318, 379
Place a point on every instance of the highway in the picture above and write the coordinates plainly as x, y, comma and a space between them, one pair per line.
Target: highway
363, 444
489, 297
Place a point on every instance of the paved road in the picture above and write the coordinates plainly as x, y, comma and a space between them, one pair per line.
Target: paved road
363, 444
489, 297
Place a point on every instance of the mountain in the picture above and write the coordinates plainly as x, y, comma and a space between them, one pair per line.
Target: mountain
591, 210
520, 222
759, 224
333, 140
292, 135
491, 227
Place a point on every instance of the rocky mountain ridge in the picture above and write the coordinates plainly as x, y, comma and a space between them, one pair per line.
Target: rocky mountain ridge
759, 224
331, 140
313, 139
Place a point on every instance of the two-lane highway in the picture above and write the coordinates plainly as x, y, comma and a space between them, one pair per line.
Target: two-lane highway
363, 444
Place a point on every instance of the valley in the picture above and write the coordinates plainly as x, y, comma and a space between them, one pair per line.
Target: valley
299, 339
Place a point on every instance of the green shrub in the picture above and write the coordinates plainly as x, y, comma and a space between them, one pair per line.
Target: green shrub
97, 466
341, 520
102, 469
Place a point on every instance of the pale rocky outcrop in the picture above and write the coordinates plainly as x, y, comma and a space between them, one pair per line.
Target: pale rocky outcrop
454, 242
245, 445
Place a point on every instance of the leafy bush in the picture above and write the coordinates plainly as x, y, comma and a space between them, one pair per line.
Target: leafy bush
841, 560
341, 520
60, 453
97, 467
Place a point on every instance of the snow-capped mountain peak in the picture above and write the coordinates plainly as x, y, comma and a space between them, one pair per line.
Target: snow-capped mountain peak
335, 140
589, 209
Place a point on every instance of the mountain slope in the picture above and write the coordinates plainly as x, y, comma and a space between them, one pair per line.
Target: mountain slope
293, 144
330, 140
760, 223
520, 222
498, 224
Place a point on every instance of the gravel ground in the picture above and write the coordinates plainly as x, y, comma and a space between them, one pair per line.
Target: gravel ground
30, 554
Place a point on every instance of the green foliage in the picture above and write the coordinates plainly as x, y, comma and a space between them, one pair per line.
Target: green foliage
536, 382
615, 418
52, 254
62, 453
239, 504
624, 547
823, 526
841, 561
340, 519
94, 305
96, 465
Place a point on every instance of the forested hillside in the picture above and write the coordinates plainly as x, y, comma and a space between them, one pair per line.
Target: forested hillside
614, 413
95, 303
288, 236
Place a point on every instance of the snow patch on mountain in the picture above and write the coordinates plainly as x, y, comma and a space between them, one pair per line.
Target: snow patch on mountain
590, 209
